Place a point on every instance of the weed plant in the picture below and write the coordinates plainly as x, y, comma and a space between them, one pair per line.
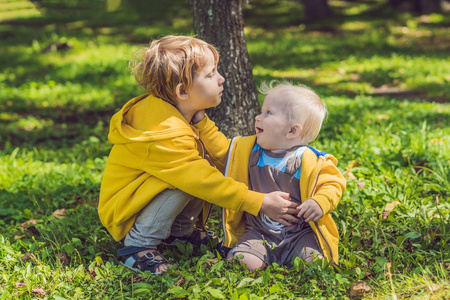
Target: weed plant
384, 78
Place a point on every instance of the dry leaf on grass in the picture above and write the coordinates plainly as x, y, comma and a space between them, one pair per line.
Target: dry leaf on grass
59, 213
39, 291
388, 208
27, 224
358, 289
28, 257
350, 175
210, 262
21, 284
64, 258
180, 281
138, 279
361, 185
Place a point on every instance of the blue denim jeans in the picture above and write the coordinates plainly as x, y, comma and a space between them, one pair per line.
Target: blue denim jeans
170, 213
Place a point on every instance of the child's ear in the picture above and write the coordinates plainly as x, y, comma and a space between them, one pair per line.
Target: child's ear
181, 91
294, 132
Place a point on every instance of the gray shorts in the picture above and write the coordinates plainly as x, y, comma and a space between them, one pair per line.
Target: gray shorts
279, 246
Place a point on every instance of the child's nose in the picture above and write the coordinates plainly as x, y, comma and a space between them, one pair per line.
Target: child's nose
221, 80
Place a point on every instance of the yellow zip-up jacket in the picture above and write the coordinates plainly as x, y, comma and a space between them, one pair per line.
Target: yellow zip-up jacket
155, 148
320, 180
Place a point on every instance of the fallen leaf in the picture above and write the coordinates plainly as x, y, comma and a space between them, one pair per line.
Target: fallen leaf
385, 214
59, 213
361, 185
139, 279
180, 281
28, 224
28, 257
39, 291
21, 284
390, 206
210, 262
92, 273
64, 258
358, 289
350, 175
18, 237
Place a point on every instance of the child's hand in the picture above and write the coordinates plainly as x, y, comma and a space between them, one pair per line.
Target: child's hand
200, 115
276, 205
310, 210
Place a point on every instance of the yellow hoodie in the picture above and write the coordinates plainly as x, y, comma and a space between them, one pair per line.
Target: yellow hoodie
154, 149
319, 180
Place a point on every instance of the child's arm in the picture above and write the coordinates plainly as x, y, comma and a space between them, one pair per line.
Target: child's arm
178, 163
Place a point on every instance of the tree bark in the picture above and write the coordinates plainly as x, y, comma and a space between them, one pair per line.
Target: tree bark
220, 23
315, 10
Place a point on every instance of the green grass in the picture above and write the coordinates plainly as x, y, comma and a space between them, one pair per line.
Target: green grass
385, 80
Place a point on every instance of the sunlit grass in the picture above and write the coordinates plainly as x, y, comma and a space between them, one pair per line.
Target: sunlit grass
55, 107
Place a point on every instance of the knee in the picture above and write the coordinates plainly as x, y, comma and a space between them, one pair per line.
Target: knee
251, 261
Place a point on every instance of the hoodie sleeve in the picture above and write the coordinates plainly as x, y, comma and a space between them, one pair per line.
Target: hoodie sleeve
216, 143
329, 188
178, 163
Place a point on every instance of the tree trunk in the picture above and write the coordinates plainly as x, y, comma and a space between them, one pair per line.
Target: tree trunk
418, 6
430, 6
220, 23
315, 10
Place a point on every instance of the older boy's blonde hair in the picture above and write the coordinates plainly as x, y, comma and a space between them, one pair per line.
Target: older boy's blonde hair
303, 106
171, 60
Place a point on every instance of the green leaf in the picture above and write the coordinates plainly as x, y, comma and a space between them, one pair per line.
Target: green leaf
275, 288
412, 235
244, 282
215, 293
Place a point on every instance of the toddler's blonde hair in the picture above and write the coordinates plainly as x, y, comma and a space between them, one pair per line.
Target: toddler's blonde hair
171, 60
303, 106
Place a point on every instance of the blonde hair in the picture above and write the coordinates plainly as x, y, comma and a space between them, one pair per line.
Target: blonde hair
171, 60
303, 106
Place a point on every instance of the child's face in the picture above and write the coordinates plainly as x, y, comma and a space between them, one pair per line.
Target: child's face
271, 125
207, 87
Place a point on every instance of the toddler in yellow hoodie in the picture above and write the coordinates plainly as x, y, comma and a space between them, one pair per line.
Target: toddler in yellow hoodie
157, 184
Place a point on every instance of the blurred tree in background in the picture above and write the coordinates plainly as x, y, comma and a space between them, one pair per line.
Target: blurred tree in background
315, 10
220, 23
418, 6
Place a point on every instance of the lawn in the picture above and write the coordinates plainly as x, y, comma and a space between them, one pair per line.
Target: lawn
384, 76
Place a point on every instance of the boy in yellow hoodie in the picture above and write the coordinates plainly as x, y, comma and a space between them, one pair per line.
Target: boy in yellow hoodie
157, 183
278, 158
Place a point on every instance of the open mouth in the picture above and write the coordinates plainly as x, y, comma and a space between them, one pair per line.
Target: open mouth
258, 130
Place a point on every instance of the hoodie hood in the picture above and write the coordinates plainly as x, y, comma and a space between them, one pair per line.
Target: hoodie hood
146, 119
